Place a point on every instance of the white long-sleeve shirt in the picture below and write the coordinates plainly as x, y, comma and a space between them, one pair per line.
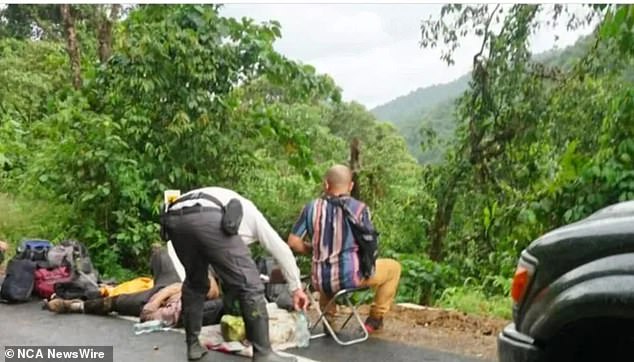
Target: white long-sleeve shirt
254, 226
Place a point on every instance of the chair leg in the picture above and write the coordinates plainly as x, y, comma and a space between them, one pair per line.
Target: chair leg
365, 336
322, 318
349, 315
353, 308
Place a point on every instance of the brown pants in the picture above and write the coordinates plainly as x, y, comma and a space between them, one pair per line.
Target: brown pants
384, 283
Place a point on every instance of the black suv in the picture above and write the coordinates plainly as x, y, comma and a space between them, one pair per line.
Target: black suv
573, 293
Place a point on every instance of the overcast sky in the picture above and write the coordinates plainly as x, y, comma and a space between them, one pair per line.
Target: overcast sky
372, 50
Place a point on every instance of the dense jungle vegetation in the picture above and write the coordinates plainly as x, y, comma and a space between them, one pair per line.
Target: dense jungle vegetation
103, 107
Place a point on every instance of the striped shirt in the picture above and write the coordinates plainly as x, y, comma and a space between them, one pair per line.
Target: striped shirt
335, 261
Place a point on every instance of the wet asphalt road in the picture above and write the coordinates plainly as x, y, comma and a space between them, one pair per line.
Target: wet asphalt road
27, 324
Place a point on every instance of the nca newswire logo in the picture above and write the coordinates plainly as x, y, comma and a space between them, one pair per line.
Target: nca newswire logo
58, 353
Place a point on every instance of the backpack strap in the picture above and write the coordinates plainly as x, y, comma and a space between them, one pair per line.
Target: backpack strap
338, 201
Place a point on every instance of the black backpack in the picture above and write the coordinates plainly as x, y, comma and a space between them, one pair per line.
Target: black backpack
366, 237
19, 281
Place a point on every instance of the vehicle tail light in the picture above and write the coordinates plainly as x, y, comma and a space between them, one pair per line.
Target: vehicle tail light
521, 279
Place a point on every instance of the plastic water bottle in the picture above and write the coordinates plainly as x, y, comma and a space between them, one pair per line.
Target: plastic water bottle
149, 327
302, 332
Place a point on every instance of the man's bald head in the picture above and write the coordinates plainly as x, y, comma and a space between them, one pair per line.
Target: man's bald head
338, 179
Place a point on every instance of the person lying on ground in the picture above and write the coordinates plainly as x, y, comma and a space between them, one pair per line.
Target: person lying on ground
161, 302
335, 259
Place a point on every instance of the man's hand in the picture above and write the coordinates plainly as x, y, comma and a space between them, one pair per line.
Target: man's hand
3, 246
298, 245
300, 300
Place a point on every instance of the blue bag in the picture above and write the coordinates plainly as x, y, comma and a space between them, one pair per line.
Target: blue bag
34, 249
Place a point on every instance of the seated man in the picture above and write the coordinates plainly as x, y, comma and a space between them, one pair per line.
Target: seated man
335, 259
162, 302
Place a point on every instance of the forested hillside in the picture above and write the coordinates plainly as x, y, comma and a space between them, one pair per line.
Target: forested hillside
100, 112
406, 109
425, 117
425, 109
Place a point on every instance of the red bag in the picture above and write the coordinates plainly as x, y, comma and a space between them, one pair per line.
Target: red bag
45, 280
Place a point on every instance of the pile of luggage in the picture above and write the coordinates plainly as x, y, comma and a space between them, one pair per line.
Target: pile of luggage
43, 269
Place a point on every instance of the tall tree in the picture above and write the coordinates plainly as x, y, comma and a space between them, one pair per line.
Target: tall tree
491, 112
355, 166
105, 31
72, 46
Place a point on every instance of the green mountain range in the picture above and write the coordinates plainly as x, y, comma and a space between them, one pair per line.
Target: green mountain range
431, 108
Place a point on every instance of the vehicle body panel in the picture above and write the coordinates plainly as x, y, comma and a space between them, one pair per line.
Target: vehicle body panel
582, 270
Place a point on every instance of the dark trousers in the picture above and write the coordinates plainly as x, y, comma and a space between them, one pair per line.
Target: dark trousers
124, 304
199, 242
132, 304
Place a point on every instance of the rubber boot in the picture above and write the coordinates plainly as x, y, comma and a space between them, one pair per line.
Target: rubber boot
192, 315
256, 322
195, 350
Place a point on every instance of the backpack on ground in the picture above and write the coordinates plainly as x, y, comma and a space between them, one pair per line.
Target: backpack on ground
18, 283
47, 278
35, 250
79, 288
59, 255
84, 282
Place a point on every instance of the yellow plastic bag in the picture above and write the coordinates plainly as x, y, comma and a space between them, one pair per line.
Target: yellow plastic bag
232, 328
132, 286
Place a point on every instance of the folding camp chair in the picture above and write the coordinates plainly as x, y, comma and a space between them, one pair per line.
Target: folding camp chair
343, 295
